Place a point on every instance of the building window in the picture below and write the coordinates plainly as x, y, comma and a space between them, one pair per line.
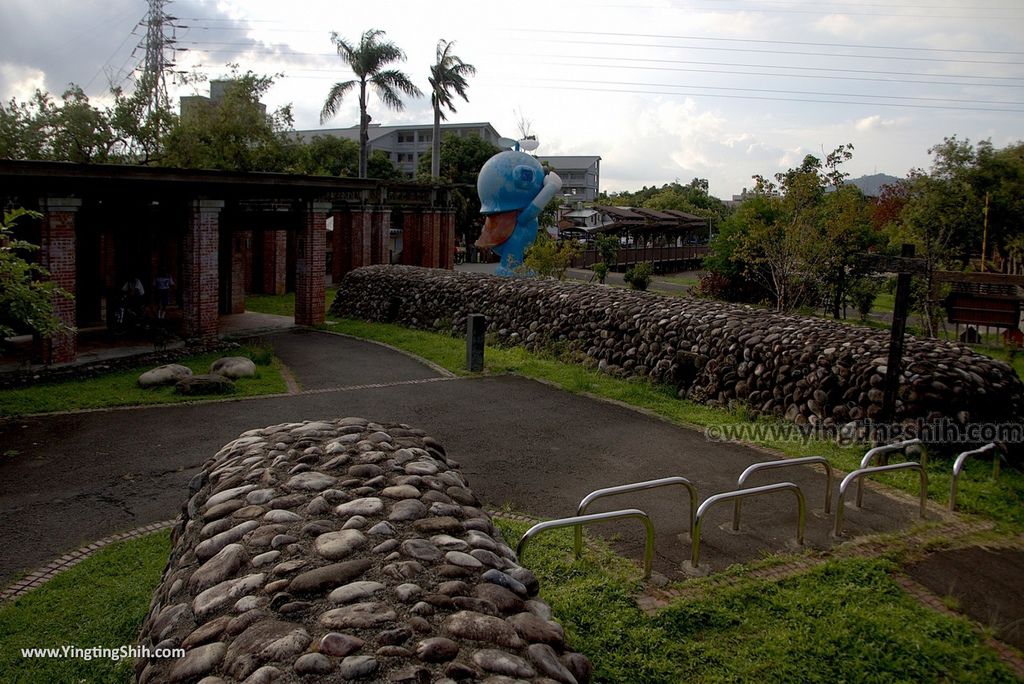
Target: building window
406, 137
426, 136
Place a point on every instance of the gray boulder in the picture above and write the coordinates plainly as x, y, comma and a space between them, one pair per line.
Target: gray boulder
164, 375
234, 367
211, 383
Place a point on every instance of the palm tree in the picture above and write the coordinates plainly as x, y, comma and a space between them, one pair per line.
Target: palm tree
447, 75
367, 61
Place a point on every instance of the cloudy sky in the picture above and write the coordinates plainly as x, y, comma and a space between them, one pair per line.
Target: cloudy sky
660, 89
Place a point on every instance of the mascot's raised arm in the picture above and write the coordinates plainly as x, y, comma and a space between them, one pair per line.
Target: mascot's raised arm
513, 191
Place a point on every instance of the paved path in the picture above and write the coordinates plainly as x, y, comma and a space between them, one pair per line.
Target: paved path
81, 476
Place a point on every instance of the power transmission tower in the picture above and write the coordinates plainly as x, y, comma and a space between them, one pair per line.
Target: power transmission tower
159, 44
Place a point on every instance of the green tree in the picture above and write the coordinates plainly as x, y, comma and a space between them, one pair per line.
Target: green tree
381, 166
447, 79
461, 159
26, 292
233, 133
327, 155
548, 258
368, 60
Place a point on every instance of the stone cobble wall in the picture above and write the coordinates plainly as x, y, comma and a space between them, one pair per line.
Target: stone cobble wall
808, 370
346, 551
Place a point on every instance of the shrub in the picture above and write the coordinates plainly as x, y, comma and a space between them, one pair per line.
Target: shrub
600, 271
547, 258
639, 276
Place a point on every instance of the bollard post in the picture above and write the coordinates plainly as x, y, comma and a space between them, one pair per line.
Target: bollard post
476, 324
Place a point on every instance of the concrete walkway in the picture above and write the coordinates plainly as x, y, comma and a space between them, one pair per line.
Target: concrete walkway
74, 478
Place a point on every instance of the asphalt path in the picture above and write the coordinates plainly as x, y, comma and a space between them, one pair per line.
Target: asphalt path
78, 477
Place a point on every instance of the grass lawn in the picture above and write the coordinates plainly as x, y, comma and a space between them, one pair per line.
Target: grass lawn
100, 602
842, 621
687, 280
121, 388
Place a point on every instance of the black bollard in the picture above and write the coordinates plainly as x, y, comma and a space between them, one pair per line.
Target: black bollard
476, 324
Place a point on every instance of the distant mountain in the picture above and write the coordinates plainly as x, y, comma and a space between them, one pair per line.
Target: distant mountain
872, 185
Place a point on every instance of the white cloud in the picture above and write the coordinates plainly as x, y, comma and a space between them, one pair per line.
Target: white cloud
20, 82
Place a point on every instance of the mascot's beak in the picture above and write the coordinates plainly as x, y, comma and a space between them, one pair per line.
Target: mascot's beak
497, 229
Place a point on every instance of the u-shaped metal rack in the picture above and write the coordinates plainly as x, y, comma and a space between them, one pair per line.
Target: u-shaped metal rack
743, 493
634, 487
958, 466
883, 452
858, 475
578, 520
784, 463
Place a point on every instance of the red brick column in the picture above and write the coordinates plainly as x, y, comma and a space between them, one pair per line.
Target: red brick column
57, 255
361, 237
238, 259
200, 286
431, 239
275, 267
380, 236
341, 245
412, 238
448, 239
310, 254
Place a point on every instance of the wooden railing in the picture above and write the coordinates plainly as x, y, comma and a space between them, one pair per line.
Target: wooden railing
660, 257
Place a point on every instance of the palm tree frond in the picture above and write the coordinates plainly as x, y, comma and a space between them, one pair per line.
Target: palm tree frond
334, 99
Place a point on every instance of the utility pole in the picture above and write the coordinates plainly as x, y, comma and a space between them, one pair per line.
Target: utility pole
984, 235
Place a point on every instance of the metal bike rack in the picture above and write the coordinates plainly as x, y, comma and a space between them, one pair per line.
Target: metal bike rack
743, 493
858, 475
784, 463
596, 517
636, 486
958, 466
884, 452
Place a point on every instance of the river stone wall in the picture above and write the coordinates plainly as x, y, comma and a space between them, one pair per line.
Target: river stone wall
340, 551
808, 370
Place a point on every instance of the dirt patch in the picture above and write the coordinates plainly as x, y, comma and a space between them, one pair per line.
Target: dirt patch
988, 585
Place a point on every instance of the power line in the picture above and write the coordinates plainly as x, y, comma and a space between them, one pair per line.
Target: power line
765, 42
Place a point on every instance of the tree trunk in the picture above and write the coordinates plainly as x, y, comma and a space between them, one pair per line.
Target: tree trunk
364, 125
435, 150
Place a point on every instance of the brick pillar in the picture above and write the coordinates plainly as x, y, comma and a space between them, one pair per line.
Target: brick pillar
247, 251
275, 267
431, 239
310, 254
361, 237
448, 239
57, 255
380, 236
238, 257
412, 238
341, 245
199, 273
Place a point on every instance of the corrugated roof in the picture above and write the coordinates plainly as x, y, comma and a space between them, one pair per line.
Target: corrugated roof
655, 214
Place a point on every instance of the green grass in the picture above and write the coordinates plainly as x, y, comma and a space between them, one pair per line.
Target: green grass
282, 305
843, 621
688, 281
121, 388
978, 494
100, 602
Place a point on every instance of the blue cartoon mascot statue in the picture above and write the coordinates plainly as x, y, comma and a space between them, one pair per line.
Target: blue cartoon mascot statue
513, 191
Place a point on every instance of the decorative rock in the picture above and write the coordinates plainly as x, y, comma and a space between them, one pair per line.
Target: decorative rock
382, 529
437, 650
535, 630
408, 509
462, 559
164, 375
339, 645
478, 627
197, 662
313, 664
365, 507
408, 592
225, 564
358, 616
493, 660
265, 558
502, 598
338, 545
212, 546
204, 384
422, 550
357, 667
355, 591
401, 492
502, 580
313, 581
223, 593
311, 481
234, 367
546, 661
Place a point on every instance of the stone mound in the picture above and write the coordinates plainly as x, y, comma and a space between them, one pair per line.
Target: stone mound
346, 550
810, 371
234, 367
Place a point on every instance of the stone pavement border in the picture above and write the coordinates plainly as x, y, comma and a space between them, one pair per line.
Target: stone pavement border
45, 574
